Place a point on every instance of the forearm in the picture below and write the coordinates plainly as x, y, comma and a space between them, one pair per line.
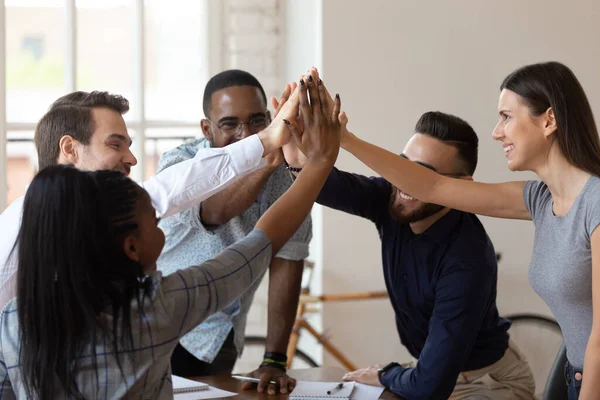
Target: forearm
500, 200
354, 194
591, 371
412, 384
284, 217
400, 172
194, 293
185, 184
458, 312
233, 201
435, 374
273, 137
285, 279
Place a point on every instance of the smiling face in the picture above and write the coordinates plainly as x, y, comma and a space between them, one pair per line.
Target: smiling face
435, 155
109, 145
523, 136
236, 112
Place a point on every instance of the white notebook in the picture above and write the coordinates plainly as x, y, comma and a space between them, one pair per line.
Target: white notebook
182, 385
318, 390
366, 392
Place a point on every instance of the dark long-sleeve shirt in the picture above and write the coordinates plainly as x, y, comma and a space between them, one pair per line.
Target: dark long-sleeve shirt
441, 283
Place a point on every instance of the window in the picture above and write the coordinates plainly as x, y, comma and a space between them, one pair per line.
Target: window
22, 163
35, 64
150, 51
105, 48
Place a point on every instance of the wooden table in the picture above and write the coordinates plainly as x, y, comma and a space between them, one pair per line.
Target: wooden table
325, 374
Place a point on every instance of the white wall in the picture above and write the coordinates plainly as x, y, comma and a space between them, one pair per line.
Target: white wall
302, 49
393, 60
252, 39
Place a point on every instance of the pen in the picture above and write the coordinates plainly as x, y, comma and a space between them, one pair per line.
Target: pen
336, 388
249, 379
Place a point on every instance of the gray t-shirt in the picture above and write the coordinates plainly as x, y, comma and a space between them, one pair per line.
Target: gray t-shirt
561, 265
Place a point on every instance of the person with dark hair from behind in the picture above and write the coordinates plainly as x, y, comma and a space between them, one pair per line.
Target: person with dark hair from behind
235, 108
93, 318
440, 271
87, 130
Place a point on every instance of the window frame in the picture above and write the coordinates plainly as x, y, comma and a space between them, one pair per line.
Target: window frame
213, 24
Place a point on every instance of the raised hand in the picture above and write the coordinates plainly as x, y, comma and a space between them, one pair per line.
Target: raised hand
320, 139
293, 156
315, 73
276, 135
278, 104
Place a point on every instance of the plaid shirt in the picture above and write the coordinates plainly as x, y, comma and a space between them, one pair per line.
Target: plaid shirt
178, 303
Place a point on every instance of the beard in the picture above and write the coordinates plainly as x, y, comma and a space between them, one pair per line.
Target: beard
400, 213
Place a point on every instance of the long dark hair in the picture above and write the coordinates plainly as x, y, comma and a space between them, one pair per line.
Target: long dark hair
71, 267
552, 84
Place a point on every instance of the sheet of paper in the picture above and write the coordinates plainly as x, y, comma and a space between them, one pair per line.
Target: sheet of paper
210, 393
366, 392
318, 390
180, 383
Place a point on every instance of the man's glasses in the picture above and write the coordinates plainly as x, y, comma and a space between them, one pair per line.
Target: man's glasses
231, 128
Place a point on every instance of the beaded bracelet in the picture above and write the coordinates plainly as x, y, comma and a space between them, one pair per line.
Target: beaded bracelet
292, 169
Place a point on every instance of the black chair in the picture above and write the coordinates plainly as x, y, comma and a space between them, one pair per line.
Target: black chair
556, 386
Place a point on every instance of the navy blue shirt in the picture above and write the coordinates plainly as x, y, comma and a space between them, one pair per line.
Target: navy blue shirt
441, 283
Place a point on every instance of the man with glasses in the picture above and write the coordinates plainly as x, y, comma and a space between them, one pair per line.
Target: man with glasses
235, 107
440, 272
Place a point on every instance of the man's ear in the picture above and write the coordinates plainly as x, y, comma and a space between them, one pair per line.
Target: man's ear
205, 126
131, 248
68, 150
466, 177
550, 125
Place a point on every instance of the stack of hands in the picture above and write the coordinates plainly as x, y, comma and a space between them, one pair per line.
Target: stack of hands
315, 130
307, 106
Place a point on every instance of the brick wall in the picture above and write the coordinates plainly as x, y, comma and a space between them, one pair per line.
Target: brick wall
253, 36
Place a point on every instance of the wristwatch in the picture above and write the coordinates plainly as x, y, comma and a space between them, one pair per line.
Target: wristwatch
385, 368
